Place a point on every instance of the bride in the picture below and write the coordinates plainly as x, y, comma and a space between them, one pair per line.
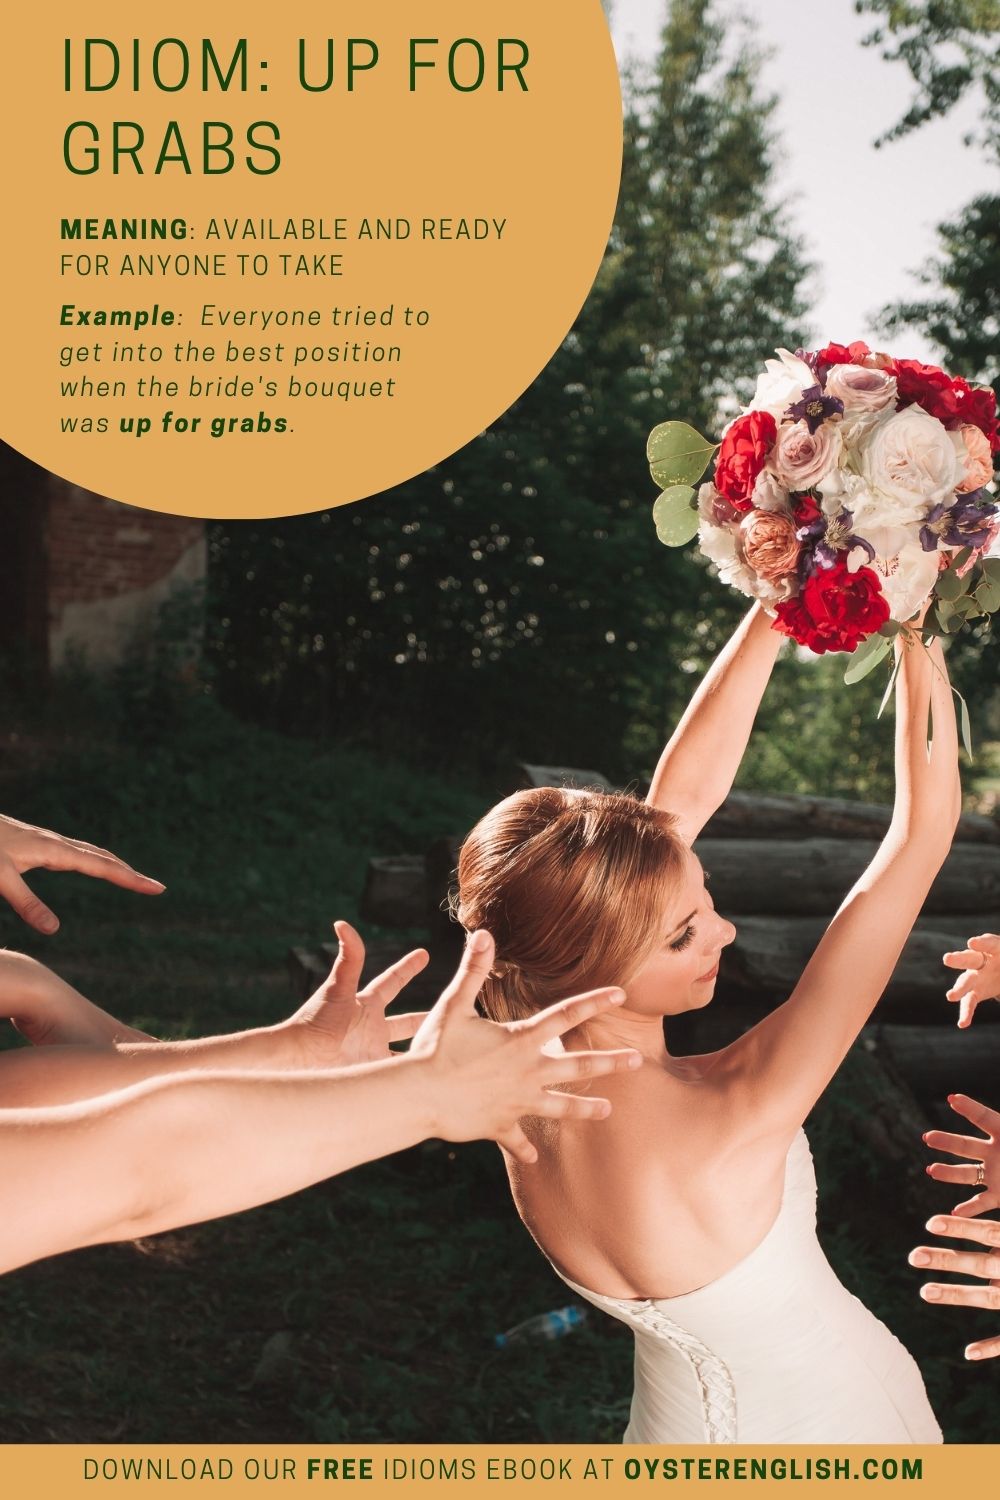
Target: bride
690, 1215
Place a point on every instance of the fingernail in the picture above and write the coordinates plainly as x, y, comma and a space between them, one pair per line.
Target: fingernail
931, 1293
973, 1354
919, 1258
925, 1135
616, 997
49, 923
937, 1226
929, 1170
635, 1060
478, 940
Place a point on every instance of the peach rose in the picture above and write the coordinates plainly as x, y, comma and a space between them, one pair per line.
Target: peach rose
800, 458
978, 459
769, 544
877, 361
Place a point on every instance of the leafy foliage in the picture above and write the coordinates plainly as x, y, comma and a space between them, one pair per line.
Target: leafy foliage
950, 48
962, 312
524, 571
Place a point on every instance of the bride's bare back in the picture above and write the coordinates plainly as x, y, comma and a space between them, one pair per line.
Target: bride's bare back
661, 1198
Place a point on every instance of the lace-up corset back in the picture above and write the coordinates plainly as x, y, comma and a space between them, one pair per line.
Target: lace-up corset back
775, 1350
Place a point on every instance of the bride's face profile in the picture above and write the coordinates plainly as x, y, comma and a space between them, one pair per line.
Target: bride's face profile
680, 973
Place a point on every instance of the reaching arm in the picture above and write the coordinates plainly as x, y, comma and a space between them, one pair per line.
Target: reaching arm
699, 765
85, 1052
784, 1063
176, 1151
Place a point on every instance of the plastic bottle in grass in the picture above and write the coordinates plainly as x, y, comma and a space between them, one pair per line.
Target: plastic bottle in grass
550, 1325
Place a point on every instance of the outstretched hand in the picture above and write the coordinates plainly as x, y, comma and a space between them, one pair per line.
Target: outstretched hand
488, 1076
980, 980
983, 1172
23, 847
341, 1025
984, 1264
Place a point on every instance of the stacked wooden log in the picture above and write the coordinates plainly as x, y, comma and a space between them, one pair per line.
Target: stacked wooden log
779, 867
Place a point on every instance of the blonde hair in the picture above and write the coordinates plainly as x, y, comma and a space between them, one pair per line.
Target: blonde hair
572, 886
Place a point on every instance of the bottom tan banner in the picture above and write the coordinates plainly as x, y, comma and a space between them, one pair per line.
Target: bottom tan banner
66, 1473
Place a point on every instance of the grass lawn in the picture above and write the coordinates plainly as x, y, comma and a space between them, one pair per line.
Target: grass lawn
365, 1308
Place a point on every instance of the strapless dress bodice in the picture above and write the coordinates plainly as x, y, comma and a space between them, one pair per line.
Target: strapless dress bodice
776, 1350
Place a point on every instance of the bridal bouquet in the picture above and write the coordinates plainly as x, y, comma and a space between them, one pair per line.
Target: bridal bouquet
853, 488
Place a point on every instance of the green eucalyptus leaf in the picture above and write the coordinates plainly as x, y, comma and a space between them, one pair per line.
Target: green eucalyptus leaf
961, 558
866, 658
988, 594
890, 629
932, 620
677, 454
991, 567
963, 719
966, 606
675, 515
949, 586
889, 687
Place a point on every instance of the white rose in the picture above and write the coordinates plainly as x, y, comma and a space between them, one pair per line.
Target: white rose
913, 461
718, 543
878, 519
839, 489
907, 579
782, 383
768, 494
858, 426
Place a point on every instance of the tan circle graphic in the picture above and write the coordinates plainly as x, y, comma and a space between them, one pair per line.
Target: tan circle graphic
255, 268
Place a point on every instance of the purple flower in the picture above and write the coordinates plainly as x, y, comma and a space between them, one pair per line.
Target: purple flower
825, 540
967, 523
814, 408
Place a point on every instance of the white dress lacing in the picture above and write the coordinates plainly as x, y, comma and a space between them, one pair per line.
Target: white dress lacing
776, 1350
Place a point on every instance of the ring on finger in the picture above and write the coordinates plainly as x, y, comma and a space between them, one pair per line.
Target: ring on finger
980, 1174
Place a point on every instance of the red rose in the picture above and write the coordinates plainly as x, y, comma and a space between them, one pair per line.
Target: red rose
742, 456
835, 611
948, 397
939, 394
980, 409
843, 354
805, 510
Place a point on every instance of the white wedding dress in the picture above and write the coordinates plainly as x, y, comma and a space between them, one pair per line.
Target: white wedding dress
777, 1350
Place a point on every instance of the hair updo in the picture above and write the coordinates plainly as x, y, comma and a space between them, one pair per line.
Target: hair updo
572, 886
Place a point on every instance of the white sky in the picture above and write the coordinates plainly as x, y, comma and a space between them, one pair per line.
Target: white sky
868, 216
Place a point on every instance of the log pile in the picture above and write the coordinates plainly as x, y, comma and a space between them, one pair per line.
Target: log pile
779, 867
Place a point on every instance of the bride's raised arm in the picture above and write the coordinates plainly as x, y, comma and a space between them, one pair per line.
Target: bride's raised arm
787, 1060
700, 762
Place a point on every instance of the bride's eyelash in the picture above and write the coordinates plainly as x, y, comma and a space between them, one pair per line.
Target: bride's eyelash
680, 943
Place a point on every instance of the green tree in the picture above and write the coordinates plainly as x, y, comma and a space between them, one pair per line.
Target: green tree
514, 597
962, 312
951, 47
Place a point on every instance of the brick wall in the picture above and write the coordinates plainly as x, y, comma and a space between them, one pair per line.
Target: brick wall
99, 548
109, 568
